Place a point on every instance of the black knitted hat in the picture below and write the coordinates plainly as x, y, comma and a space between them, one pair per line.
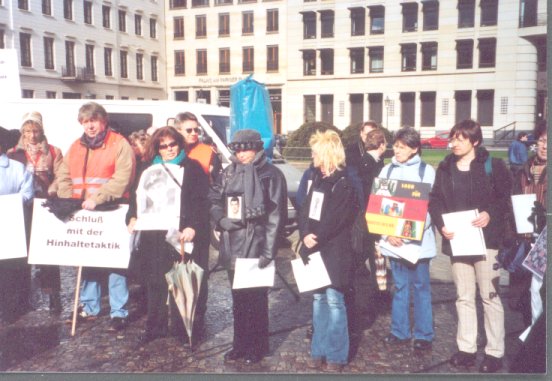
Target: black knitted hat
245, 140
8, 138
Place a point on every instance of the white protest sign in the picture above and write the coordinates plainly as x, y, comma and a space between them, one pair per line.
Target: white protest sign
12, 227
9, 74
88, 239
158, 197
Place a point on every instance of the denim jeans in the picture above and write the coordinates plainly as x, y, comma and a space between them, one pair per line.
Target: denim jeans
91, 293
416, 276
330, 339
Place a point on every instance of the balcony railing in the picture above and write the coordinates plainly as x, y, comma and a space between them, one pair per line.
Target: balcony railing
77, 74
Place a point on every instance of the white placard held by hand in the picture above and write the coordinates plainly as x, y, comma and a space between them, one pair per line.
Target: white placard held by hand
523, 205
468, 239
247, 274
12, 227
311, 276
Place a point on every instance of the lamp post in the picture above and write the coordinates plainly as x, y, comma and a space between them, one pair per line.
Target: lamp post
387, 101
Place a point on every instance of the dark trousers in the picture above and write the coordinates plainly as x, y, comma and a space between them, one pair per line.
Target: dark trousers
15, 283
202, 259
49, 277
157, 311
250, 308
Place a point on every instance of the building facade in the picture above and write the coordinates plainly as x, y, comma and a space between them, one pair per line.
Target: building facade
112, 49
425, 64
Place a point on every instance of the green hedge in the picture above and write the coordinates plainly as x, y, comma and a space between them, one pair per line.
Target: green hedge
297, 145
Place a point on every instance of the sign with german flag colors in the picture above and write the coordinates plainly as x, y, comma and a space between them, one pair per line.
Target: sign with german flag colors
398, 208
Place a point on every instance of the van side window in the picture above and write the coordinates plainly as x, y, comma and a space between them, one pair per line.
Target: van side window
127, 123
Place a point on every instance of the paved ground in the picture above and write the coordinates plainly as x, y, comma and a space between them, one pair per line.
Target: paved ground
38, 342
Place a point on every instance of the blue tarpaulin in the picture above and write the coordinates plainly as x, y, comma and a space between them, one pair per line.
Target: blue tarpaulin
250, 108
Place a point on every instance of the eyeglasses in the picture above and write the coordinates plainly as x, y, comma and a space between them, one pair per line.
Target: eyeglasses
190, 130
170, 145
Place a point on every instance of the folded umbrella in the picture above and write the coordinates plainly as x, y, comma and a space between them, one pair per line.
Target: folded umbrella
184, 281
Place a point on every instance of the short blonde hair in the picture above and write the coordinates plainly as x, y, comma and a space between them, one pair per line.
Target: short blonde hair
329, 151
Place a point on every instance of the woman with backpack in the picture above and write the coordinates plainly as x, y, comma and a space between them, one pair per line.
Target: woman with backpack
407, 165
469, 179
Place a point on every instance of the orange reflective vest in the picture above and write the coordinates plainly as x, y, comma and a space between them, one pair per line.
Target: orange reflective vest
90, 169
203, 154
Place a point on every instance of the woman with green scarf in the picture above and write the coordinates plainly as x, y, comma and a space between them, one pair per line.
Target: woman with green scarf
156, 256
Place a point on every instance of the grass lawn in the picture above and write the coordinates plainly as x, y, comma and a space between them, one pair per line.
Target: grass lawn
431, 156
434, 156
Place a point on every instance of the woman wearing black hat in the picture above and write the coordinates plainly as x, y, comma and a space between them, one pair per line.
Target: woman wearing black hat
15, 274
261, 187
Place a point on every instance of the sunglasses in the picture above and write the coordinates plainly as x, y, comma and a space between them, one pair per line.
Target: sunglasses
190, 130
170, 145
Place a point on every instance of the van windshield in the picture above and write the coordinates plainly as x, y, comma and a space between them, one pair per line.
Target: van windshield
220, 124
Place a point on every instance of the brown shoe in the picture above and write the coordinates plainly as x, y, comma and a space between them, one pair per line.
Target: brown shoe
314, 363
334, 367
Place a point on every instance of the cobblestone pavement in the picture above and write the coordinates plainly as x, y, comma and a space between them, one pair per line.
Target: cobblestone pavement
38, 342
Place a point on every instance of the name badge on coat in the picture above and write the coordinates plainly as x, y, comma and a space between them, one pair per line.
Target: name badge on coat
316, 205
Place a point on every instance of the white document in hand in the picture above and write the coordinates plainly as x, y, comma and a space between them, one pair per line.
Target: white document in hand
409, 251
247, 274
523, 205
311, 276
468, 239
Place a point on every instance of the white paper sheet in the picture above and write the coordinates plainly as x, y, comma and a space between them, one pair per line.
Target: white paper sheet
522, 205
311, 276
248, 274
12, 227
410, 252
468, 239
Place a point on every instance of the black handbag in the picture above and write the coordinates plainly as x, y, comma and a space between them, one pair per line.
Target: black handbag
511, 256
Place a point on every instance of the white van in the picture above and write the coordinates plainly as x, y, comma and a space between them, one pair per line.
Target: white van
62, 128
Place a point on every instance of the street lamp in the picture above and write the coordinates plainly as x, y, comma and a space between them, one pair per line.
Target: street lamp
387, 101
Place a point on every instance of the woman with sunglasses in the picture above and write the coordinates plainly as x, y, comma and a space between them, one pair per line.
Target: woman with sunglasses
156, 255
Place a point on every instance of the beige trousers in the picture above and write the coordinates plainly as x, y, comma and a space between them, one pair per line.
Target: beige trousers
466, 272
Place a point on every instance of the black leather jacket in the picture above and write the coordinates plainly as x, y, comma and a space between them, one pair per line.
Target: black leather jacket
257, 236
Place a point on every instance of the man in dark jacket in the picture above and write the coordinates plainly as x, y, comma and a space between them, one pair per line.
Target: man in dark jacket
356, 163
263, 192
364, 162
469, 179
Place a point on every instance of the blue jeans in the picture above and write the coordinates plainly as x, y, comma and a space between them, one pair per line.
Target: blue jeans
416, 276
330, 339
91, 293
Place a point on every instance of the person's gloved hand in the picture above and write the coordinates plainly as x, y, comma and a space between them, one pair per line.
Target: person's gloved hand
304, 254
264, 261
229, 225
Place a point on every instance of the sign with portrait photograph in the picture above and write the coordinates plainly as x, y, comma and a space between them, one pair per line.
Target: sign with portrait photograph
158, 197
234, 207
398, 208
88, 238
